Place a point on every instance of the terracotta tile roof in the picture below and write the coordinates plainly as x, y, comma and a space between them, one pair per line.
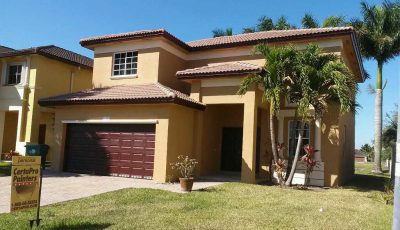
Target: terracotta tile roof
215, 70
266, 36
132, 36
5, 49
226, 41
124, 94
53, 52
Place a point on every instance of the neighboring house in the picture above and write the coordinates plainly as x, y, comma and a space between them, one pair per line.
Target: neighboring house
157, 97
360, 157
26, 76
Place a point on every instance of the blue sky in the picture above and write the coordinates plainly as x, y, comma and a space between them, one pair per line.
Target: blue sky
33, 23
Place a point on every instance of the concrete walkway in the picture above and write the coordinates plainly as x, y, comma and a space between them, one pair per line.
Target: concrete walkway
59, 187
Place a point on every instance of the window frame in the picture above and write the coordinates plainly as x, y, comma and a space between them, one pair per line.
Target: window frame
113, 76
310, 136
7, 72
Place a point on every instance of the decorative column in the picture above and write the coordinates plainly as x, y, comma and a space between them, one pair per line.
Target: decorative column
248, 174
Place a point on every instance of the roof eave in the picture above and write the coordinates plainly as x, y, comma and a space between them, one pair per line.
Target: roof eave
358, 55
175, 100
214, 75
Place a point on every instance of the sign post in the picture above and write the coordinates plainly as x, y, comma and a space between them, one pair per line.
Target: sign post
26, 183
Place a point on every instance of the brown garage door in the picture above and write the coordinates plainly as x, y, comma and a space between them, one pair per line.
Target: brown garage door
110, 149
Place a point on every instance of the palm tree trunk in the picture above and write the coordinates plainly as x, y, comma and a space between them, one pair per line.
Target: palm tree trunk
292, 144
378, 121
393, 163
272, 135
296, 156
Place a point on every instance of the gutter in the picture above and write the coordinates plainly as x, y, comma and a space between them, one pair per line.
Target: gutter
358, 55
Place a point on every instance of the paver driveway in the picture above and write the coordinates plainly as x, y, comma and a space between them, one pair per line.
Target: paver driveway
58, 187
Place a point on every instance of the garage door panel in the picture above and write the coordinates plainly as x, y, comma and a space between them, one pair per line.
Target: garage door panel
119, 150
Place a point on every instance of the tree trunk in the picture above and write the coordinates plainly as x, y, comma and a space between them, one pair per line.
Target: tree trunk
291, 145
272, 135
296, 156
393, 163
378, 121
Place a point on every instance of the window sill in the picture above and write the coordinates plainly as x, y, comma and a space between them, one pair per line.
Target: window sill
124, 77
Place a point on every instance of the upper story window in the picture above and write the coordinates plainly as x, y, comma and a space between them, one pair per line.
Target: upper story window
125, 63
14, 74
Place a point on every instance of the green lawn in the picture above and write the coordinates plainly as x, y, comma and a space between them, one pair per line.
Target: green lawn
228, 206
366, 169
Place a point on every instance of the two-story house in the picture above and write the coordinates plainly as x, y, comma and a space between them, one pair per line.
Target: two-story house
26, 76
157, 97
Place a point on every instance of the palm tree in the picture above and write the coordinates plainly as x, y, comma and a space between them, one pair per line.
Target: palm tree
266, 24
283, 24
278, 65
379, 38
308, 21
221, 32
319, 79
334, 21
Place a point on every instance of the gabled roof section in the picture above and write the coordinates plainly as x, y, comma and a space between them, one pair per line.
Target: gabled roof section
53, 52
124, 94
267, 36
141, 34
221, 42
217, 70
5, 49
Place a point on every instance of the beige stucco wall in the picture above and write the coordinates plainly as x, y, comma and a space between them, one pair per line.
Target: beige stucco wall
45, 77
147, 70
174, 130
51, 78
217, 117
168, 66
337, 146
10, 131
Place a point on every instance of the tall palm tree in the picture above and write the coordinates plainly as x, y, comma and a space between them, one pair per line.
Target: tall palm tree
221, 32
379, 38
278, 65
320, 79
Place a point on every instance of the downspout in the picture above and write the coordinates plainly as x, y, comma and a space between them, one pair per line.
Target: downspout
25, 96
71, 82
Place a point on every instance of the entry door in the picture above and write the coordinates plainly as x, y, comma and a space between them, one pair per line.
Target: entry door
231, 149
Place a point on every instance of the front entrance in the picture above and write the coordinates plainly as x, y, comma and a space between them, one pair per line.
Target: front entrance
231, 149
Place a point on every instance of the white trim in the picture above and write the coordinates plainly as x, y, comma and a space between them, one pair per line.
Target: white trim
125, 75
107, 120
24, 69
317, 139
118, 77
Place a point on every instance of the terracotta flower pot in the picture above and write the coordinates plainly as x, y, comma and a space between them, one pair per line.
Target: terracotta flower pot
186, 184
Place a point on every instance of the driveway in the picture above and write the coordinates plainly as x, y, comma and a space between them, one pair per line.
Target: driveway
59, 187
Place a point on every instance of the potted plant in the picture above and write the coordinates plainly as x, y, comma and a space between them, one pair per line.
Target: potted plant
185, 166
